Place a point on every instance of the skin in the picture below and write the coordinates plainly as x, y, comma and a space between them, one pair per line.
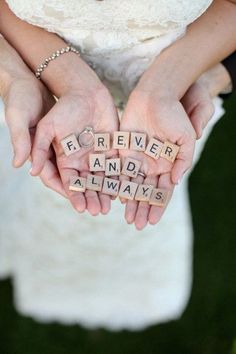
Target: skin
197, 103
158, 106
26, 101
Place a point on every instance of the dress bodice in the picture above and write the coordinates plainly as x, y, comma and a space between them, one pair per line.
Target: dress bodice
109, 24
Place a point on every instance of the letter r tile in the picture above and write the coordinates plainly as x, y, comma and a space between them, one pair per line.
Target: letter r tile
101, 141
169, 151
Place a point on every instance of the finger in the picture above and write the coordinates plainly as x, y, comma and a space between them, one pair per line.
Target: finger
183, 161
156, 212
132, 205
141, 218
105, 200
51, 178
92, 200
201, 115
20, 137
77, 199
42, 142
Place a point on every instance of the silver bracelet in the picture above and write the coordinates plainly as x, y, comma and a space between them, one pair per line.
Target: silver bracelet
55, 55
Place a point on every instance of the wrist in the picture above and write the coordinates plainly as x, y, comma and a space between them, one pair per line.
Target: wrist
12, 66
69, 73
166, 77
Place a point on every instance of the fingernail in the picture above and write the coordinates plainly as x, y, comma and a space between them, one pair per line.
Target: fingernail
30, 170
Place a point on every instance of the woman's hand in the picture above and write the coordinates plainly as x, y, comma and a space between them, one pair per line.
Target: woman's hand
26, 101
75, 110
164, 119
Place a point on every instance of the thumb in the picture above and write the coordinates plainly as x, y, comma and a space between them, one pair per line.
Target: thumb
200, 116
20, 137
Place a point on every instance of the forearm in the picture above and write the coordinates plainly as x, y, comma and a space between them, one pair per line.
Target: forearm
34, 44
11, 66
208, 40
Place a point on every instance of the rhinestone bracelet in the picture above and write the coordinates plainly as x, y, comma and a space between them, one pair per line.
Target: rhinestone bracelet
55, 55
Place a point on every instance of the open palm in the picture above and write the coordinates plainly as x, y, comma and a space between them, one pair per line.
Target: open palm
71, 114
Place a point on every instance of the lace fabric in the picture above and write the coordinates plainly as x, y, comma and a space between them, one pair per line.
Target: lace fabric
108, 25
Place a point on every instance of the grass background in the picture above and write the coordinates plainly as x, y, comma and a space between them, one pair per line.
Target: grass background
208, 325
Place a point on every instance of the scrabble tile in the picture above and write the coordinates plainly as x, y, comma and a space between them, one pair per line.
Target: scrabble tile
70, 145
94, 183
101, 141
112, 167
128, 190
121, 140
153, 148
138, 141
131, 167
143, 193
159, 197
77, 184
110, 186
169, 151
97, 162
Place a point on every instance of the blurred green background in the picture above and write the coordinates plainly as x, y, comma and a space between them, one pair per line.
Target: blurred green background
208, 325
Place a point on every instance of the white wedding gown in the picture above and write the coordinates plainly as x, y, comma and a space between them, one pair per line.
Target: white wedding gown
98, 271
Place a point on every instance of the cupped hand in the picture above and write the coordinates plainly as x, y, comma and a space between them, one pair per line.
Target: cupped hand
164, 119
26, 101
198, 105
74, 111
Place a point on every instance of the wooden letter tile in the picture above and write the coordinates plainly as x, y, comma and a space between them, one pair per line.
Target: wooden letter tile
131, 167
77, 184
138, 141
121, 140
70, 144
128, 190
144, 192
154, 148
111, 186
94, 183
169, 151
101, 141
97, 162
159, 197
112, 167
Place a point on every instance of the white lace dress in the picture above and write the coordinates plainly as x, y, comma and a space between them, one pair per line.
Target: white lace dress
98, 272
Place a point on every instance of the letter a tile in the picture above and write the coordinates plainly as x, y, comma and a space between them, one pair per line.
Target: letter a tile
97, 162
128, 190
77, 184
70, 145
